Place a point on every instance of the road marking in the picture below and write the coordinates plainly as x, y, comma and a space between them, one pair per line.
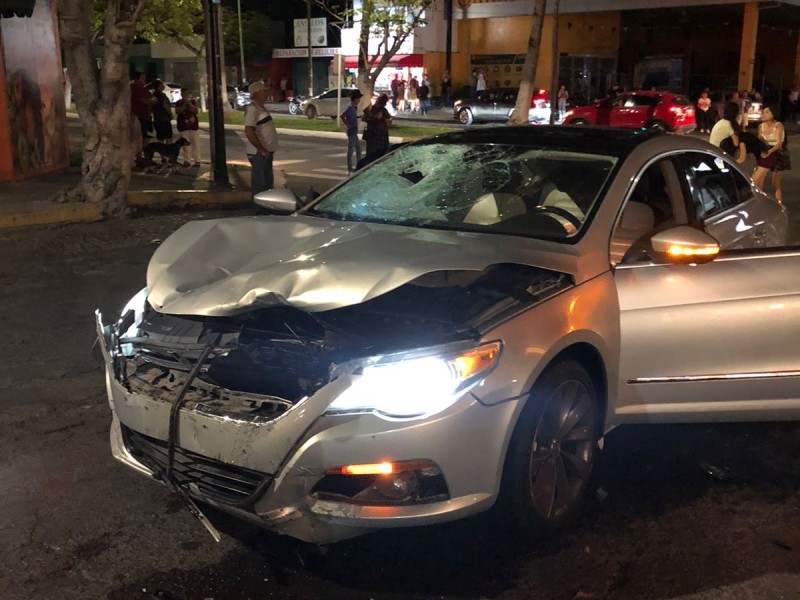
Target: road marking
282, 163
317, 176
341, 172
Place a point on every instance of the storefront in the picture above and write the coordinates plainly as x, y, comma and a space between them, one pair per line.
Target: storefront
401, 66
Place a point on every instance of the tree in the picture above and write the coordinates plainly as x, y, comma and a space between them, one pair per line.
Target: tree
102, 98
390, 22
520, 114
256, 43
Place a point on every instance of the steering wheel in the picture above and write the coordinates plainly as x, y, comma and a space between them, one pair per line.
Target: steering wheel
555, 210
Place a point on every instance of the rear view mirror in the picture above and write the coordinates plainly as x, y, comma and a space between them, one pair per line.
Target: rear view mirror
685, 244
280, 200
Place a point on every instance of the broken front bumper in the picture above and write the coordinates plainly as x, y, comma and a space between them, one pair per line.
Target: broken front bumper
270, 472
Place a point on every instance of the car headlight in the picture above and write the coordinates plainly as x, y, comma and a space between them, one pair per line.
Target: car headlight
406, 386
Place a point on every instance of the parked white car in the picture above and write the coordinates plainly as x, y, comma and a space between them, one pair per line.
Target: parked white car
324, 105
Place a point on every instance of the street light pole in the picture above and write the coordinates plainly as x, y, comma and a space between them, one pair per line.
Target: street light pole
554, 86
241, 43
310, 62
219, 162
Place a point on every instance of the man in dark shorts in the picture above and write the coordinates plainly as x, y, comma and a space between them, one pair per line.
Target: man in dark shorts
142, 113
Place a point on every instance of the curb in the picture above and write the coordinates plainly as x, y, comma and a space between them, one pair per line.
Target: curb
168, 199
86, 212
55, 214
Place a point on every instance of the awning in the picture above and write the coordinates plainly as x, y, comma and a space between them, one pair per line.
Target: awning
16, 8
398, 60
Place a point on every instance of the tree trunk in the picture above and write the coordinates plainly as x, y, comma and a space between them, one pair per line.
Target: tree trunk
364, 80
102, 99
520, 115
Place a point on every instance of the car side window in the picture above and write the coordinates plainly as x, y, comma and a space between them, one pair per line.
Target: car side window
644, 101
649, 208
326, 95
345, 93
713, 185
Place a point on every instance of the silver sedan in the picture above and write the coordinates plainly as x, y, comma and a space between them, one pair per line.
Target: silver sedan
455, 328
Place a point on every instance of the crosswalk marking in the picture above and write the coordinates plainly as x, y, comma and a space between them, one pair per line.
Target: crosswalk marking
339, 171
317, 176
282, 163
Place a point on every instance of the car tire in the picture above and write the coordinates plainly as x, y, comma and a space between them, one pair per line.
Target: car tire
465, 117
658, 126
311, 112
293, 108
552, 451
578, 122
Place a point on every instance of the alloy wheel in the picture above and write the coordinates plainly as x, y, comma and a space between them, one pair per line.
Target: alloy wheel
562, 449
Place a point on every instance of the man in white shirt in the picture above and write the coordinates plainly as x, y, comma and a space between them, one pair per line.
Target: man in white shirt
262, 139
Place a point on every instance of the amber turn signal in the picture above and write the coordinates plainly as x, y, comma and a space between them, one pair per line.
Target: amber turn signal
384, 468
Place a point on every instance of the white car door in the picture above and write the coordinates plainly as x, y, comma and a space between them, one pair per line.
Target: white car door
705, 342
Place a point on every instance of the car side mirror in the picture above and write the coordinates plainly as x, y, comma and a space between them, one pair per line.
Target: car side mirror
685, 244
280, 200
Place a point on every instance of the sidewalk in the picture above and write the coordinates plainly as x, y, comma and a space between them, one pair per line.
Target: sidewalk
33, 201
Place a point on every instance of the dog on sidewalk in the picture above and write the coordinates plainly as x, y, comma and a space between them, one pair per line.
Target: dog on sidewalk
169, 154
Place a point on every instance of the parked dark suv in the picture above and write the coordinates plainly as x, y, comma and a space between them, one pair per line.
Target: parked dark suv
653, 110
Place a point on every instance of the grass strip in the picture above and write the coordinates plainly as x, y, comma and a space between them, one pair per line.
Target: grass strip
326, 124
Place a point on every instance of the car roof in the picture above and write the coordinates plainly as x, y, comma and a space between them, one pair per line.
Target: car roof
597, 140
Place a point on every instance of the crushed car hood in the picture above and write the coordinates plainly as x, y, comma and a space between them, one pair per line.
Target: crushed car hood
228, 266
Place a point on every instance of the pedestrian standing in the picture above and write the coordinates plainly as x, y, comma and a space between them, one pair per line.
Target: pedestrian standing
395, 88
413, 98
563, 95
704, 112
445, 88
350, 119
776, 157
480, 81
188, 128
283, 84
401, 96
162, 114
376, 134
793, 103
473, 83
141, 115
423, 93
262, 138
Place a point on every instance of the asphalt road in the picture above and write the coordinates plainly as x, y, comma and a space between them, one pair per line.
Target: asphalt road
712, 510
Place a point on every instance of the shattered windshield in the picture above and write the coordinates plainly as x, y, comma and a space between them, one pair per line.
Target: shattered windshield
508, 189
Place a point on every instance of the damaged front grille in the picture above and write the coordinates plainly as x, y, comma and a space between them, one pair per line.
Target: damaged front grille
228, 484
263, 362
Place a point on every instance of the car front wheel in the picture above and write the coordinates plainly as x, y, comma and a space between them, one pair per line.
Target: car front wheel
552, 450
658, 126
579, 122
465, 116
311, 112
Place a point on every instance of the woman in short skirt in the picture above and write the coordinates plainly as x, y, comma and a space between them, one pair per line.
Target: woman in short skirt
776, 158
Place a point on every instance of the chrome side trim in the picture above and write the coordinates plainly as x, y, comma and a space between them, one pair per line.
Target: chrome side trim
728, 377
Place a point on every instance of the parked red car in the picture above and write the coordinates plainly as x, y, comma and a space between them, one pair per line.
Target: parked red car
653, 110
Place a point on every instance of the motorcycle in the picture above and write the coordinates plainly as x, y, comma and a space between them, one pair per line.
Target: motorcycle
294, 104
